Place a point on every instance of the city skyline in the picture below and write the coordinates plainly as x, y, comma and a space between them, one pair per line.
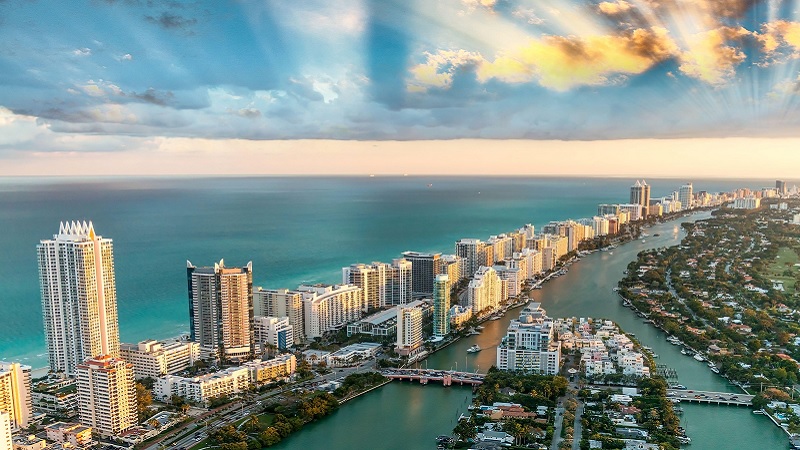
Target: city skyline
382, 87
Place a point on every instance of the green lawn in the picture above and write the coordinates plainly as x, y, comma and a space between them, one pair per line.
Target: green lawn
786, 259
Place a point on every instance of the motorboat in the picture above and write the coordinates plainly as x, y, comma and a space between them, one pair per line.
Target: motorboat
474, 349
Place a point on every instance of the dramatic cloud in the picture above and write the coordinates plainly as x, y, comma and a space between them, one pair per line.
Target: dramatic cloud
614, 8
710, 58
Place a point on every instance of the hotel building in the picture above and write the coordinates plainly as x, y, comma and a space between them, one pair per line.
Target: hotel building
79, 296
529, 344
154, 359
221, 309
15, 393
329, 308
107, 395
203, 388
409, 329
640, 195
484, 292
685, 196
6, 442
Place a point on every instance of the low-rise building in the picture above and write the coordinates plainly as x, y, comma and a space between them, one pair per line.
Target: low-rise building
353, 354
56, 396
382, 323
153, 359
203, 388
29, 442
281, 366
459, 315
76, 434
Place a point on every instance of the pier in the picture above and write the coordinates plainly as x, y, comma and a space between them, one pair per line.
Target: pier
446, 377
713, 398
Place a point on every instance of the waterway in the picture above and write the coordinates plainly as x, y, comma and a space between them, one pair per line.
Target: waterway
408, 416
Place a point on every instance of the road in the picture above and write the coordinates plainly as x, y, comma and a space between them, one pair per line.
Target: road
578, 427
244, 408
559, 423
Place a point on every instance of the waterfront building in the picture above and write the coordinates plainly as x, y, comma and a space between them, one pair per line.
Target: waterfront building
107, 395
606, 209
424, 267
484, 292
329, 308
272, 332
281, 303
559, 243
203, 388
640, 195
511, 278
656, 209
400, 281
372, 281
636, 211
747, 203
221, 309
153, 359
685, 196
79, 296
441, 306
269, 370
549, 258
529, 345
382, 323
519, 239
6, 442
15, 393
409, 329
73, 433
600, 226
353, 354
459, 315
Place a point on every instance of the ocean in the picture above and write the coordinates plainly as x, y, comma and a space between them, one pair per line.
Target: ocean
294, 229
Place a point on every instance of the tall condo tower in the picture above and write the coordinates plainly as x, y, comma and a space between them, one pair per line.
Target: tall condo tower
107, 395
640, 195
15, 393
79, 296
221, 309
441, 305
685, 196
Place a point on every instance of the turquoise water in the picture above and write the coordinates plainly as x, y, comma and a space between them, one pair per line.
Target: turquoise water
294, 229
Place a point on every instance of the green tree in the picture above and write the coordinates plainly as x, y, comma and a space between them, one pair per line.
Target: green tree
269, 437
143, 400
465, 429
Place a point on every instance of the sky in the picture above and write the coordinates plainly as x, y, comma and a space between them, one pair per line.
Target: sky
407, 86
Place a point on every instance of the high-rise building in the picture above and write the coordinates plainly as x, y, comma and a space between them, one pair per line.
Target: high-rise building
221, 309
79, 296
5, 431
529, 344
605, 209
15, 393
400, 281
154, 359
441, 306
451, 266
640, 195
685, 196
424, 267
474, 254
372, 281
780, 186
107, 395
409, 329
484, 292
330, 308
281, 303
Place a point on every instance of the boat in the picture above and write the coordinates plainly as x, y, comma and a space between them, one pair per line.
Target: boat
655, 355
643, 241
474, 349
715, 370
699, 357
656, 235
610, 253
678, 386
479, 328
758, 411
684, 439
683, 352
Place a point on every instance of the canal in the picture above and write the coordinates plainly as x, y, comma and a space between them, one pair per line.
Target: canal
409, 416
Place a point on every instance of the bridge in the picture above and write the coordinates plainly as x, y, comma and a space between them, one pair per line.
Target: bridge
713, 398
446, 377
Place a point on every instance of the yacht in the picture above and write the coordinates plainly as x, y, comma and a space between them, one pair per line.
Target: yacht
474, 349
699, 357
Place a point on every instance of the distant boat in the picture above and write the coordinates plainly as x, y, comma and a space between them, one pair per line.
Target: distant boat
474, 349
610, 253
758, 411
715, 370
656, 235
699, 357
643, 241
683, 352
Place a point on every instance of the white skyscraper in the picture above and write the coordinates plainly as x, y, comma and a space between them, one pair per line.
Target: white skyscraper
15, 393
79, 296
441, 305
685, 196
107, 395
409, 329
